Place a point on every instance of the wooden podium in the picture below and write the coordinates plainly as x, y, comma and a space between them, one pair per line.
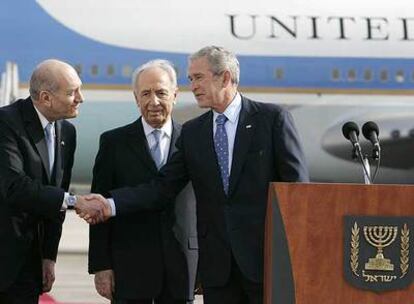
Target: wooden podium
304, 241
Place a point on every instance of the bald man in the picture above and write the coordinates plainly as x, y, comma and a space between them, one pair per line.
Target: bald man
36, 156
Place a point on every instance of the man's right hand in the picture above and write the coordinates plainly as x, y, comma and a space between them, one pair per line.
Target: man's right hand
93, 208
105, 283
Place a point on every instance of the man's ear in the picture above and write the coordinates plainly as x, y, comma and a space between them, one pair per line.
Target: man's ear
226, 79
45, 98
175, 95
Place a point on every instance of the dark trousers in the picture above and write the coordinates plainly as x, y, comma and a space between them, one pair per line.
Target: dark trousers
238, 290
27, 286
165, 297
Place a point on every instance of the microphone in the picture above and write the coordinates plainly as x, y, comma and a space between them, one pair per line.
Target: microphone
371, 132
351, 132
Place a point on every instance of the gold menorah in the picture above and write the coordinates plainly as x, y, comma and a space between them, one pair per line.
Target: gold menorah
380, 237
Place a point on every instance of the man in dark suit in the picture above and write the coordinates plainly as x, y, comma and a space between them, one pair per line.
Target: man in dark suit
137, 258
230, 154
36, 158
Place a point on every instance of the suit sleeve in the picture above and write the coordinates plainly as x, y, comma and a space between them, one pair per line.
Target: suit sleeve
99, 257
53, 227
290, 160
19, 191
171, 179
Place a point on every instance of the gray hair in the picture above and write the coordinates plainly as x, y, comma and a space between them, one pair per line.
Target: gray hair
164, 65
220, 60
42, 80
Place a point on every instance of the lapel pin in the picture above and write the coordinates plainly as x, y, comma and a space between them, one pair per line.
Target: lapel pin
248, 126
62, 143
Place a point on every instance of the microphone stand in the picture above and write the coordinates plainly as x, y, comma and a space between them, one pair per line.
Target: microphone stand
357, 153
367, 171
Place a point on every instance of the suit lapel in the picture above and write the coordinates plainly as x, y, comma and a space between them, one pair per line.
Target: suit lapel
244, 133
139, 145
175, 134
35, 131
59, 161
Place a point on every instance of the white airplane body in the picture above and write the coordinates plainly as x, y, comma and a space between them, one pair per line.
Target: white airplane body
327, 62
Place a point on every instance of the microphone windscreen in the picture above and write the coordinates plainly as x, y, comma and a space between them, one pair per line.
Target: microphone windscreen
368, 127
348, 127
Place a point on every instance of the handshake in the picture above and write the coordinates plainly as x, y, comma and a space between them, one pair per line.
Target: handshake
93, 208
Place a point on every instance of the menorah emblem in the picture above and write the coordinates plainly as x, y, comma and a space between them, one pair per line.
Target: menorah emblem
380, 237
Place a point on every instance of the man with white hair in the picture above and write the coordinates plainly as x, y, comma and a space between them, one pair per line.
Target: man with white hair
148, 256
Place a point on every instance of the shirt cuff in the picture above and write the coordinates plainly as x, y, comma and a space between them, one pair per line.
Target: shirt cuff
64, 204
113, 208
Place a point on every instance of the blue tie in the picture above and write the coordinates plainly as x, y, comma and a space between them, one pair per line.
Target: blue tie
221, 146
50, 141
156, 148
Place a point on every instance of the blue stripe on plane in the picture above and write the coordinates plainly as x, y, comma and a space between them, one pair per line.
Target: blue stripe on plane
35, 36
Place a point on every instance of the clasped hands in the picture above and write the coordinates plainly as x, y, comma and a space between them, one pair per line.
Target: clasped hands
93, 208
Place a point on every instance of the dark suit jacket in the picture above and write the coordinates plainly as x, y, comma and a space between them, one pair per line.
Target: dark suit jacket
266, 149
30, 196
140, 248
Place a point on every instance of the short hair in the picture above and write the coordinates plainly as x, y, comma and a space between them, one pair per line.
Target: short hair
42, 80
220, 60
163, 64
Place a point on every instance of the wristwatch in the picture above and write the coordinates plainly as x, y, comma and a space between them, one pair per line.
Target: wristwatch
71, 201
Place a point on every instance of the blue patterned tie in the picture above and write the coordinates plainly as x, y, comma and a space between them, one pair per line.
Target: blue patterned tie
221, 146
50, 141
156, 148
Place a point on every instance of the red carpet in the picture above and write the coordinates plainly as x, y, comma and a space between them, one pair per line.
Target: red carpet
46, 299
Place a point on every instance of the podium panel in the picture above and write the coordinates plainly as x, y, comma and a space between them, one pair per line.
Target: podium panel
307, 252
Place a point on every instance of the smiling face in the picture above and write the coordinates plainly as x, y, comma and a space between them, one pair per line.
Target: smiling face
66, 100
155, 95
59, 90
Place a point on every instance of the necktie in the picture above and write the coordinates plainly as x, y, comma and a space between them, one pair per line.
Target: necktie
221, 146
50, 141
156, 148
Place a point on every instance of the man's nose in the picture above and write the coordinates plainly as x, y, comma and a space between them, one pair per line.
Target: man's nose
154, 100
193, 85
79, 97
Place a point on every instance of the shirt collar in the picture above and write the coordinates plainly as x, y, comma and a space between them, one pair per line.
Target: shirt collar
232, 111
166, 129
43, 119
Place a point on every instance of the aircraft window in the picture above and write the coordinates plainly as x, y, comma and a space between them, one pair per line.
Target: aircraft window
400, 76
384, 75
279, 74
94, 70
110, 70
336, 74
351, 75
368, 75
395, 134
78, 69
126, 71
